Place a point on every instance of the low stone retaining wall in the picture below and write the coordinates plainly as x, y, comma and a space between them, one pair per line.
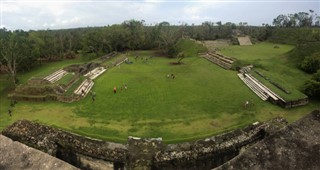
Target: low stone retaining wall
138, 153
15, 155
295, 146
66, 146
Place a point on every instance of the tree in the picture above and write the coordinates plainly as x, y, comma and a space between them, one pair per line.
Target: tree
16, 53
312, 86
311, 63
180, 57
137, 36
119, 37
292, 20
281, 21
167, 37
317, 21
301, 19
304, 19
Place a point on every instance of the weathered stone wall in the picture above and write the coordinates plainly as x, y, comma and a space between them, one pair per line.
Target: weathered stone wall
296, 146
15, 155
108, 56
37, 81
139, 153
210, 152
65, 145
41, 98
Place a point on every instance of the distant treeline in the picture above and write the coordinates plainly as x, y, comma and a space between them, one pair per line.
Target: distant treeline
22, 50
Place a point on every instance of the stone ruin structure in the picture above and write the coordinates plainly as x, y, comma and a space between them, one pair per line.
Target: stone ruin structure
296, 146
48, 88
219, 59
269, 145
15, 155
88, 153
265, 93
244, 40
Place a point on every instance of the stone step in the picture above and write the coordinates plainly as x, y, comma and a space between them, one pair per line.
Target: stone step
53, 74
85, 86
221, 63
259, 92
273, 95
56, 76
95, 73
256, 89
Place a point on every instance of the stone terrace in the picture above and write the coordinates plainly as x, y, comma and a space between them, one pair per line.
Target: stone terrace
244, 40
84, 87
221, 60
95, 72
15, 155
56, 76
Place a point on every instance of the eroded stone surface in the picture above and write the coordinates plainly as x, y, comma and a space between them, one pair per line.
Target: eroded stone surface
15, 155
296, 146
139, 153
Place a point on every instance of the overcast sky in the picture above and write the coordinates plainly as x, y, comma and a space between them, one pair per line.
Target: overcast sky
56, 14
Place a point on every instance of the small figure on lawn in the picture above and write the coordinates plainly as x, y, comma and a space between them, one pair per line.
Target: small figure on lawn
114, 89
13, 102
125, 86
173, 76
246, 104
10, 111
168, 75
93, 96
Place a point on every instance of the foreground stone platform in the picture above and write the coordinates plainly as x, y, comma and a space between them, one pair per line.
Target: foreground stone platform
268, 145
296, 146
15, 155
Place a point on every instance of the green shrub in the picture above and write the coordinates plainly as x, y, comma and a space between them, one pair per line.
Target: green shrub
311, 63
298, 54
312, 86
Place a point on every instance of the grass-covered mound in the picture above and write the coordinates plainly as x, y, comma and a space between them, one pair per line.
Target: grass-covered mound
190, 48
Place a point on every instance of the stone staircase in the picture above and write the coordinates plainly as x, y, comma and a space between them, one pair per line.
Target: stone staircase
95, 72
56, 76
259, 88
258, 91
85, 86
221, 60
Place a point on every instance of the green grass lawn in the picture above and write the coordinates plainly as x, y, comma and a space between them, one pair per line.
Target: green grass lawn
201, 101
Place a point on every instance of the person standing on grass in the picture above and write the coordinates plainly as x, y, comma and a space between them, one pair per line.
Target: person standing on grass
125, 86
114, 89
10, 111
12, 103
93, 96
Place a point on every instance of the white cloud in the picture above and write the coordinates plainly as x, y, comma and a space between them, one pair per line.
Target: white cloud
54, 14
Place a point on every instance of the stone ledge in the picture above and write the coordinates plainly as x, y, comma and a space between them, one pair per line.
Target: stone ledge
15, 155
296, 146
